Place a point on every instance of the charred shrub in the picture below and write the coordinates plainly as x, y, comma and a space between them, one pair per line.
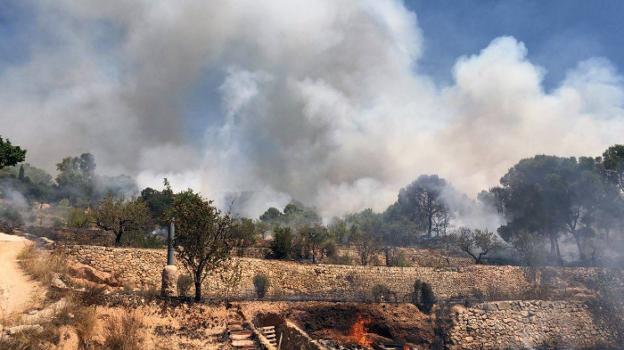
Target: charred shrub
382, 294
423, 296
261, 284
184, 285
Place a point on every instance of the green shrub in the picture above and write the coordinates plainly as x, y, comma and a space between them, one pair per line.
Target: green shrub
77, 218
423, 296
11, 217
261, 284
138, 239
57, 223
185, 282
399, 260
282, 244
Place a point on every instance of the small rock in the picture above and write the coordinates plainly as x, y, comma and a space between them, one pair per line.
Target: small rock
25, 328
58, 283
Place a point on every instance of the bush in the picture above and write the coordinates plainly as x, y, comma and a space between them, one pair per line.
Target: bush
137, 239
423, 296
281, 246
261, 284
382, 294
85, 320
399, 260
77, 218
124, 332
57, 223
93, 295
10, 217
184, 285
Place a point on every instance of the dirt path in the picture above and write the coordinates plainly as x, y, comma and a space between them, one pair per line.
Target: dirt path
16, 289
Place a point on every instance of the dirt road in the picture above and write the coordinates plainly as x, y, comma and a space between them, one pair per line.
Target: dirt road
16, 289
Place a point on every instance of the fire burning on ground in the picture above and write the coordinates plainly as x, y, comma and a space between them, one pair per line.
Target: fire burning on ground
359, 332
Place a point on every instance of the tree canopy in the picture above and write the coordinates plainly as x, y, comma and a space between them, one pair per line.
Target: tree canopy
10, 154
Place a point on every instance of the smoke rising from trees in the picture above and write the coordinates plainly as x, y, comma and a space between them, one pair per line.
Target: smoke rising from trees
325, 105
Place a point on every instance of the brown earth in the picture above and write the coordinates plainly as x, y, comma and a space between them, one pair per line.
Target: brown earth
339, 321
17, 290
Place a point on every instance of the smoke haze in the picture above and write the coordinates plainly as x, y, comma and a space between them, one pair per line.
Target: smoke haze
317, 100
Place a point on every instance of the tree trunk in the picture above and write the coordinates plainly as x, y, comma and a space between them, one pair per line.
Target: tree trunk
579, 246
118, 237
197, 290
430, 224
554, 249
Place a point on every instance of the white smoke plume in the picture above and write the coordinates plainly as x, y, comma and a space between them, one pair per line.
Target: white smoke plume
317, 100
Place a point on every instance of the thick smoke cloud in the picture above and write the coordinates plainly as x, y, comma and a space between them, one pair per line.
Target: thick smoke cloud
315, 100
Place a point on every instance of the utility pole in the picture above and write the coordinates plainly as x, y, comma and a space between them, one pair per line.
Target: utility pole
170, 238
170, 272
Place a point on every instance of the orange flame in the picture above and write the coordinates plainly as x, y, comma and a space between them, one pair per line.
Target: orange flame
359, 332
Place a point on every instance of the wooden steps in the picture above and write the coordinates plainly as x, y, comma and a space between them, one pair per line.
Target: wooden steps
269, 333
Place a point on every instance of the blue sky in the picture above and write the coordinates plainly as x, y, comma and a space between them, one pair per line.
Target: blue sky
557, 33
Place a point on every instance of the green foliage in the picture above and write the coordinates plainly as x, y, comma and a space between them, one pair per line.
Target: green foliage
10, 217
613, 162
282, 244
243, 234
10, 154
398, 260
141, 239
421, 203
311, 241
339, 230
203, 236
76, 179
365, 243
295, 215
476, 243
261, 285
158, 202
78, 218
57, 222
119, 216
271, 215
423, 296
550, 196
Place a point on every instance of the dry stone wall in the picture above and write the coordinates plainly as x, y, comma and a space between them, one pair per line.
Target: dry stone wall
290, 280
527, 325
143, 267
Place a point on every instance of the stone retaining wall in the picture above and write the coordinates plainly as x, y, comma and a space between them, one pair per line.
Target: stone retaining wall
143, 267
291, 280
527, 325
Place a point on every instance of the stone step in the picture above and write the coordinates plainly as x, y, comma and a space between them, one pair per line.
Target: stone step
267, 328
243, 343
235, 327
241, 335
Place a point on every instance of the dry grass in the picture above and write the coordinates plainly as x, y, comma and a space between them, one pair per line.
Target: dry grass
42, 266
85, 322
124, 332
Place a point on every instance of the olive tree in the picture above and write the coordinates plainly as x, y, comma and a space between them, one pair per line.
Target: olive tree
203, 236
477, 243
120, 216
